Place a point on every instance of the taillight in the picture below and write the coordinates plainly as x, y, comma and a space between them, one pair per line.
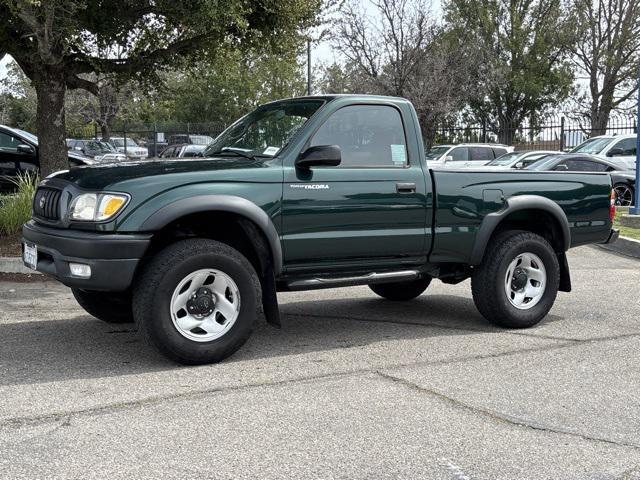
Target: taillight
612, 206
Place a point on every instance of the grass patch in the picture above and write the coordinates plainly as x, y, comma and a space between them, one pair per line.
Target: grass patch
15, 209
626, 231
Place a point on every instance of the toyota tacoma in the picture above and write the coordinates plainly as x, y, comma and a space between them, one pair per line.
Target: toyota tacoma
301, 194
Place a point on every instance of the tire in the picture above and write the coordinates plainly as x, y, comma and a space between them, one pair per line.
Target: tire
110, 307
156, 300
624, 194
401, 291
489, 281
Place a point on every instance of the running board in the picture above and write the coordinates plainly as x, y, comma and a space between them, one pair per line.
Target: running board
332, 282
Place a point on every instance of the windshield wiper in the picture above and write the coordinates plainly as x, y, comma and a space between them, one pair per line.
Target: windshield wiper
237, 151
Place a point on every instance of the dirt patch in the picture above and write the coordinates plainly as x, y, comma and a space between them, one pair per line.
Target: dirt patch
11, 245
24, 277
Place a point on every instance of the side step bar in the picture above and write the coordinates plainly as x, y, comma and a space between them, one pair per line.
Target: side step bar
332, 282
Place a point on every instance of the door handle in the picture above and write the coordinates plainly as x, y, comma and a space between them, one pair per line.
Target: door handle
405, 187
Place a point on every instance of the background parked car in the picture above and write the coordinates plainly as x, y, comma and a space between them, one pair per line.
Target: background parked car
99, 151
620, 147
182, 151
190, 139
133, 150
519, 160
623, 180
19, 153
464, 155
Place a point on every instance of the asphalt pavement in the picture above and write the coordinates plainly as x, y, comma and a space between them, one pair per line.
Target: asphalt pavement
351, 387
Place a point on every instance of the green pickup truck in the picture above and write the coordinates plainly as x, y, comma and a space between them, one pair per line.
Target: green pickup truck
300, 194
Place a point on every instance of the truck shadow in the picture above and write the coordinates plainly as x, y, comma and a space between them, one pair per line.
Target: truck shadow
81, 348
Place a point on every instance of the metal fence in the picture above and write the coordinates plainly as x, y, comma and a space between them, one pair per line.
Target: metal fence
557, 132
155, 137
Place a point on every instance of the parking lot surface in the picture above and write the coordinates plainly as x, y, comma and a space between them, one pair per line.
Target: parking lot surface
352, 386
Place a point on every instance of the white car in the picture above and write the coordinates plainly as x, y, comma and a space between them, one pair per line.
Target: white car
518, 160
464, 155
133, 151
621, 148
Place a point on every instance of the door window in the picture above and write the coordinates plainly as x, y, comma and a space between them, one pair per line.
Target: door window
9, 143
459, 154
582, 166
480, 154
368, 136
627, 145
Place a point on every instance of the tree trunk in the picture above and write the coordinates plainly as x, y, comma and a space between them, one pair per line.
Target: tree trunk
50, 90
599, 120
105, 131
506, 131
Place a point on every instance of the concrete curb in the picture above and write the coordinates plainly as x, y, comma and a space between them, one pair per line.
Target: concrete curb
625, 246
15, 265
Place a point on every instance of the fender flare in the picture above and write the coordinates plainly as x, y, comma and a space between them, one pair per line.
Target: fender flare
514, 204
219, 203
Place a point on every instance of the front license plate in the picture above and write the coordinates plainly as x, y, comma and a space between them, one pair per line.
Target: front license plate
30, 255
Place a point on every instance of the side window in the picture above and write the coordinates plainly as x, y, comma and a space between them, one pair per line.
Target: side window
480, 154
497, 151
627, 145
8, 142
368, 136
459, 154
584, 166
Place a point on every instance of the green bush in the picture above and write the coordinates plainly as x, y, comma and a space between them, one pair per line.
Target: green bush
15, 209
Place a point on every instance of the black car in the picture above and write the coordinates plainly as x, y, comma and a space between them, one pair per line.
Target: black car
623, 180
19, 154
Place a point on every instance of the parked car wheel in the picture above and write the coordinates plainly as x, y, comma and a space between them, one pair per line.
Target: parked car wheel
401, 291
197, 301
110, 307
517, 283
624, 194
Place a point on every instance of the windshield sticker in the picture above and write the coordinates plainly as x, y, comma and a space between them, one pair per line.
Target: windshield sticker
271, 150
398, 154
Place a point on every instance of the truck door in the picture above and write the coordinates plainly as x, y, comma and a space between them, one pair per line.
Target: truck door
374, 208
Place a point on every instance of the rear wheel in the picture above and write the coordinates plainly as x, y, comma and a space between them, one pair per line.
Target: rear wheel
401, 291
517, 283
197, 301
110, 307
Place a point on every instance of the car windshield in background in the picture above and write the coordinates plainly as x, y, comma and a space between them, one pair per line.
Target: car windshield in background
593, 145
505, 159
436, 152
543, 163
29, 136
265, 131
119, 142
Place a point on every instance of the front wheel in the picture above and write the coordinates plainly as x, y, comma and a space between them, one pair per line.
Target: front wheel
197, 301
401, 291
517, 283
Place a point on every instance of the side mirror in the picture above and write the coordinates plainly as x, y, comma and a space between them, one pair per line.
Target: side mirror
448, 158
615, 152
27, 149
320, 156
519, 165
561, 168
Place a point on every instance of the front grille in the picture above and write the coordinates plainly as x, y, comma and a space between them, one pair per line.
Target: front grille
46, 203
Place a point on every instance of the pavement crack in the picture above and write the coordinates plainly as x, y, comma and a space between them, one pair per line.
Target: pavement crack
497, 417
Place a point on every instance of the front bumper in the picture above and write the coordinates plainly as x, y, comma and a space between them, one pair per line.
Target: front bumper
613, 236
113, 258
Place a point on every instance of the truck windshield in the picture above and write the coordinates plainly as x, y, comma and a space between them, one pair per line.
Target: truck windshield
436, 152
505, 159
265, 131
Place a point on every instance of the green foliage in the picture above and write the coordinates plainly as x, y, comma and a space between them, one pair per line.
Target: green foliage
16, 209
523, 44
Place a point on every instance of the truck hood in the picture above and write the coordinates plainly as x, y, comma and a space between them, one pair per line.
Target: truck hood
122, 175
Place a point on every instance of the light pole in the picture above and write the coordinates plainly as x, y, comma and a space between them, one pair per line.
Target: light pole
635, 210
309, 66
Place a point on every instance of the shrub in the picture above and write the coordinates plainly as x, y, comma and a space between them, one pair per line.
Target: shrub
15, 209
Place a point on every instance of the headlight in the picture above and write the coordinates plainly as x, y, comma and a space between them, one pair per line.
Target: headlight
96, 207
